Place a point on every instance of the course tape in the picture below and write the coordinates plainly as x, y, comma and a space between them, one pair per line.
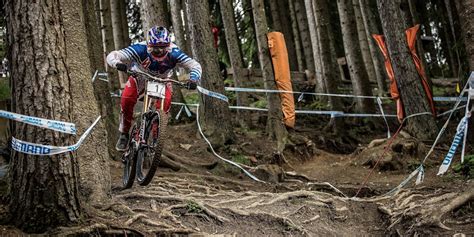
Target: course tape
59, 126
239, 89
46, 150
452, 150
220, 157
213, 94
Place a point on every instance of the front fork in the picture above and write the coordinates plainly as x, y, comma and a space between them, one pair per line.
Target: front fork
148, 102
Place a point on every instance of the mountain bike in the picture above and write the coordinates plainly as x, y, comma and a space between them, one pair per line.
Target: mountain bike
148, 132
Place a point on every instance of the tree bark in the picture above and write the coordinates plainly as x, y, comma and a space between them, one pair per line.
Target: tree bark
411, 90
329, 67
117, 32
124, 22
215, 113
370, 24
465, 10
415, 19
275, 127
154, 13
108, 43
296, 37
177, 23
320, 88
364, 44
108, 110
449, 10
93, 156
359, 78
303, 28
282, 23
233, 45
43, 191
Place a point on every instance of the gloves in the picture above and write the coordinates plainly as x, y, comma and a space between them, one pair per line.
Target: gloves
191, 85
121, 67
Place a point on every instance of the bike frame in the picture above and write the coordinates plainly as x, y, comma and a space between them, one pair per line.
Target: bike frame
149, 101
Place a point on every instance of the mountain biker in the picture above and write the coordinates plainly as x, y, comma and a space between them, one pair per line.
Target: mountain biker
158, 56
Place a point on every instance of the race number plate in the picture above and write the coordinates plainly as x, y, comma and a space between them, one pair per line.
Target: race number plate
156, 89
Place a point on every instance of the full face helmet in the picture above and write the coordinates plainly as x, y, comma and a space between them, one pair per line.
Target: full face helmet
158, 41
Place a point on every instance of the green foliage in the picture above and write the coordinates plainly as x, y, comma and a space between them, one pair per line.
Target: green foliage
5, 92
260, 104
241, 159
318, 105
192, 98
439, 91
193, 207
466, 168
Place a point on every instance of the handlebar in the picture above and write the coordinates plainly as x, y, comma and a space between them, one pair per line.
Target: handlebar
156, 78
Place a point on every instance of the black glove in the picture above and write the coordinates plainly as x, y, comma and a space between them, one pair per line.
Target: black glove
191, 85
121, 67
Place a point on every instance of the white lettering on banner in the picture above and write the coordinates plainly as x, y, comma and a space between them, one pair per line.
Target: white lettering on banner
41, 150
59, 126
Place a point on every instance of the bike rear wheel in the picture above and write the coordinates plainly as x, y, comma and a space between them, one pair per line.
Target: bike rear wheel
149, 155
130, 162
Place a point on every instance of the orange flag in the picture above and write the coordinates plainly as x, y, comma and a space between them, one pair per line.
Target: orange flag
380, 39
411, 40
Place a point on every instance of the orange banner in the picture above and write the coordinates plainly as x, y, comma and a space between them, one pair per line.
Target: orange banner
281, 69
411, 40
380, 39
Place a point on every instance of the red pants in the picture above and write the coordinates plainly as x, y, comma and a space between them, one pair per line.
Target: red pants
132, 90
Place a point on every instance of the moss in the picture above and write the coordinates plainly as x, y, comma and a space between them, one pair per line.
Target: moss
5, 92
193, 207
466, 168
241, 159
260, 104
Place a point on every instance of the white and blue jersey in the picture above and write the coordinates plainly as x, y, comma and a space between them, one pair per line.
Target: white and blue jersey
160, 67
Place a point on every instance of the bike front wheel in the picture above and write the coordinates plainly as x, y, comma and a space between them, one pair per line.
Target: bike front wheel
130, 162
149, 155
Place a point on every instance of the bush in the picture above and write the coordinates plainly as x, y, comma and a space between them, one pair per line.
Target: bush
466, 168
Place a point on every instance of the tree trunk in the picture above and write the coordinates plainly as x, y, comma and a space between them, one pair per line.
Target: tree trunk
92, 156
275, 128
330, 70
359, 78
364, 44
117, 32
108, 43
233, 45
187, 30
465, 10
370, 24
43, 191
296, 37
449, 9
446, 42
177, 23
108, 110
415, 19
303, 28
320, 88
411, 90
154, 13
282, 23
215, 120
124, 22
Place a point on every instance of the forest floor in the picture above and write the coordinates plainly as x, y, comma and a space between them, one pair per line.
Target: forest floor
308, 192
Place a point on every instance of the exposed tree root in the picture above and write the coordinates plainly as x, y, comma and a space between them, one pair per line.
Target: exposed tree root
423, 210
187, 161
